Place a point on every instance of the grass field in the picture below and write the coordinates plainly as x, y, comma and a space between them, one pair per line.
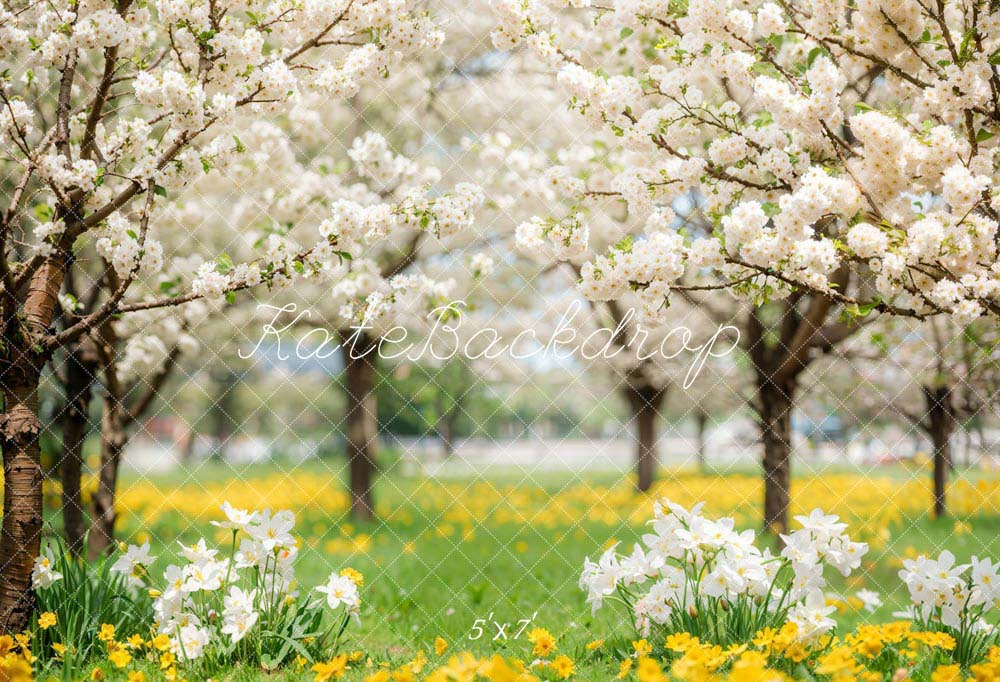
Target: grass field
446, 555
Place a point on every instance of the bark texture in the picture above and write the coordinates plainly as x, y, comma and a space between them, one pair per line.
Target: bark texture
20, 373
22, 503
645, 403
361, 421
940, 425
776, 433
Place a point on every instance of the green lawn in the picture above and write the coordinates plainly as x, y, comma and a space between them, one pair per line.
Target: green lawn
447, 555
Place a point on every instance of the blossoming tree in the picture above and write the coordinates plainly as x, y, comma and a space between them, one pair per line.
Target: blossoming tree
840, 157
109, 112
393, 289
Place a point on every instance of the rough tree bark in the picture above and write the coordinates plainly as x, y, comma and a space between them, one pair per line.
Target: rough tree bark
939, 423
22, 501
775, 422
645, 403
360, 357
20, 539
81, 368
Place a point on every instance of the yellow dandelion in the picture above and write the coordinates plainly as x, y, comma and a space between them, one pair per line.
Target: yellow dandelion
120, 657
354, 575
563, 667
542, 641
333, 669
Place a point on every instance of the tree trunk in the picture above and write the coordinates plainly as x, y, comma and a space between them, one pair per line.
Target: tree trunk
775, 423
445, 433
20, 538
362, 420
22, 501
113, 439
701, 423
645, 403
224, 420
940, 425
81, 366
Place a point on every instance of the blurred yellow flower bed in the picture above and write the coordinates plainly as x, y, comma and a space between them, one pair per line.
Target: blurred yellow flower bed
869, 504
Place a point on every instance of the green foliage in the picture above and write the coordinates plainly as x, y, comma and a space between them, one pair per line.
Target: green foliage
88, 596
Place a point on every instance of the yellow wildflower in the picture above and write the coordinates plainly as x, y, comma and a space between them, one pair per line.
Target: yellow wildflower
119, 657
679, 642
543, 643
167, 659
440, 645
563, 667
331, 670
46, 620
642, 647
354, 575
160, 642
648, 670
947, 673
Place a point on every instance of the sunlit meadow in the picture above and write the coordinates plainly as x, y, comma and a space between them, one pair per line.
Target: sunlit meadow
476, 566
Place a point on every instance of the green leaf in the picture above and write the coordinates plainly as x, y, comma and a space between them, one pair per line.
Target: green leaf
983, 135
625, 244
43, 212
159, 191
815, 52
230, 297
770, 209
625, 33
223, 263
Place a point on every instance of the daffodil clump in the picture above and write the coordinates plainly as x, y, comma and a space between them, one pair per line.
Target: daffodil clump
954, 599
217, 610
720, 604
703, 577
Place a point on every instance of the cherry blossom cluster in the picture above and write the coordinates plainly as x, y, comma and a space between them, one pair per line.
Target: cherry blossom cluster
349, 218
153, 99
699, 567
765, 147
